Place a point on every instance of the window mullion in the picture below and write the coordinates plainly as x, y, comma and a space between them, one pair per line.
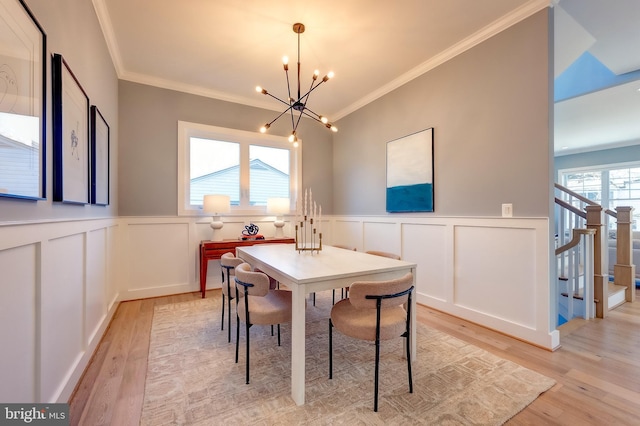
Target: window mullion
244, 175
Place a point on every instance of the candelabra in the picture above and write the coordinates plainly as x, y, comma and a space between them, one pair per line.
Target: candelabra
306, 233
308, 222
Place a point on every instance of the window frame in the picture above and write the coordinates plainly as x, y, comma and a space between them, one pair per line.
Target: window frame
605, 170
187, 130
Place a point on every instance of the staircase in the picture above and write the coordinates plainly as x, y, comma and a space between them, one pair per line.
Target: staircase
583, 285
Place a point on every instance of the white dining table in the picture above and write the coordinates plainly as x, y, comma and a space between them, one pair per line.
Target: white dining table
308, 272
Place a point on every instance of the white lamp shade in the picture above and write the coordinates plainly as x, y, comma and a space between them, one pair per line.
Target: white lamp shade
216, 203
278, 206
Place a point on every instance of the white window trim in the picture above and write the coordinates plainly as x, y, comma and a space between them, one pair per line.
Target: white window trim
187, 130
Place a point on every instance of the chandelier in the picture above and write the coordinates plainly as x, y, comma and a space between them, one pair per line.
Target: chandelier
298, 104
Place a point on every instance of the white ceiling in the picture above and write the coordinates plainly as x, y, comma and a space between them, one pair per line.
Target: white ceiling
223, 48
610, 31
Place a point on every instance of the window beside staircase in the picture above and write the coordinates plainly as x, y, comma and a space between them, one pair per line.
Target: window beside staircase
609, 186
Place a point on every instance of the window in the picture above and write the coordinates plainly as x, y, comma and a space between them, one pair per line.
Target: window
608, 186
249, 167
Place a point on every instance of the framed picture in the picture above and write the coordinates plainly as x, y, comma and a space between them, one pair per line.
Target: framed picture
410, 173
99, 158
70, 136
22, 103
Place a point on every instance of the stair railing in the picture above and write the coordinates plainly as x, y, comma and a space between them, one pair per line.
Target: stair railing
576, 211
573, 211
576, 276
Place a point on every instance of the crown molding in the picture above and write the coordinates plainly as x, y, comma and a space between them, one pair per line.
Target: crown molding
473, 40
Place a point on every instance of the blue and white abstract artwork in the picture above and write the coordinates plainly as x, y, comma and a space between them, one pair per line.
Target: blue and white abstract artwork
410, 173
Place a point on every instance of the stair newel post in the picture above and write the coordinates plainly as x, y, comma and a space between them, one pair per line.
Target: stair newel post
600, 285
624, 271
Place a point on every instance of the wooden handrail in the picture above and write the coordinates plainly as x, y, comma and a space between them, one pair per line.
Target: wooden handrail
571, 208
575, 240
576, 195
583, 199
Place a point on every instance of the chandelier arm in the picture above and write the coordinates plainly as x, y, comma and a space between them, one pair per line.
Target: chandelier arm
288, 85
277, 98
315, 115
279, 115
311, 90
295, 127
311, 116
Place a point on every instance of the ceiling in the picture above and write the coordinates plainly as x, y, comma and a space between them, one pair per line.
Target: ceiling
223, 48
600, 119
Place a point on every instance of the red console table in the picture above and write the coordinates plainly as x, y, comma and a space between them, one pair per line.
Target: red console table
210, 250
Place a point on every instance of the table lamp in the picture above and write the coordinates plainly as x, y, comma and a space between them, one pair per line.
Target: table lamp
216, 204
278, 207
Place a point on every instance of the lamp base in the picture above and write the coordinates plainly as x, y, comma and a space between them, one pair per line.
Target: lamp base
279, 224
216, 226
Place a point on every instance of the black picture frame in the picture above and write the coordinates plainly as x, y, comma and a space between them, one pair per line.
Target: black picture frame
71, 124
23, 102
100, 158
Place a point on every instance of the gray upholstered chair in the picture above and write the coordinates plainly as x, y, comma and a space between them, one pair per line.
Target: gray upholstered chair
228, 263
257, 304
374, 311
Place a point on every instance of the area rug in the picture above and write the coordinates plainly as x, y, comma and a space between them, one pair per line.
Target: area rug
192, 378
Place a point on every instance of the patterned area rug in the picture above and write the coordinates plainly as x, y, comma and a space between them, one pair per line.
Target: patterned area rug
192, 378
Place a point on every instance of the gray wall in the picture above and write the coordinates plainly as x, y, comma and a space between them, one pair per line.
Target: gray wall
597, 158
149, 138
490, 110
73, 30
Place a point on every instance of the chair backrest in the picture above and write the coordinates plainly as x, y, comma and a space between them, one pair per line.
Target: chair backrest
255, 283
229, 260
345, 247
358, 292
383, 254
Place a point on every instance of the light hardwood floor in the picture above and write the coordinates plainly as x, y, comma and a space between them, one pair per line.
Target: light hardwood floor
597, 369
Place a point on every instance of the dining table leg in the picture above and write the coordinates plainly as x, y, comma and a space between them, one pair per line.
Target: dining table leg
298, 319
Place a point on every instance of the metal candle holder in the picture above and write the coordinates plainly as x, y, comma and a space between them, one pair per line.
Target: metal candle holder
306, 236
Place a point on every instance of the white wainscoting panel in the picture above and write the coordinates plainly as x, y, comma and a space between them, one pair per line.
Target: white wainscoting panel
158, 256
97, 278
18, 318
495, 272
62, 305
346, 232
428, 246
491, 271
382, 236
58, 298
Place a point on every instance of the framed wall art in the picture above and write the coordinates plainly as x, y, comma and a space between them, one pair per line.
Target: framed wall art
410, 173
99, 158
70, 136
22, 103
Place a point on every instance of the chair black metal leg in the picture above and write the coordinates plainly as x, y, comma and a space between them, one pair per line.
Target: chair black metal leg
272, 332
409, 364
248, 325
314, 299
375, 394
229, 315
278, 334
330, 349
333, 297
237, 335
222, 320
